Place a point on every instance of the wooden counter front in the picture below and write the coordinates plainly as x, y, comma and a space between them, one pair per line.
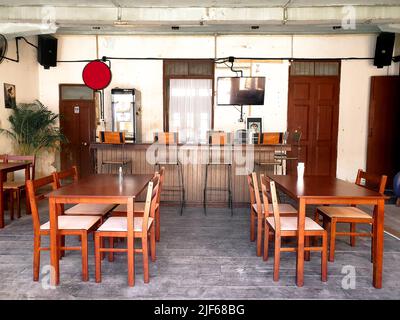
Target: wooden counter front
194, 159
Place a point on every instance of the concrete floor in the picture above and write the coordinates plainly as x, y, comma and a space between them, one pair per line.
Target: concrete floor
199, 257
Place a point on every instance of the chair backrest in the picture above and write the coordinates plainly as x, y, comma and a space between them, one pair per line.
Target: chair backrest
166, 137
31, 159
219, 138
371, 181
3, 158
71, 174
251, 188
275, 208
112, 137
266, 192
270, 138
257, 193
162, 173
151, 201
32, 187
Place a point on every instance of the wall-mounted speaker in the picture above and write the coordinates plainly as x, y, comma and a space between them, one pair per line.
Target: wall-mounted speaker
384, 49
47, 51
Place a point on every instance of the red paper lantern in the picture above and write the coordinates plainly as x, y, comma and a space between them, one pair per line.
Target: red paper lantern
96, 75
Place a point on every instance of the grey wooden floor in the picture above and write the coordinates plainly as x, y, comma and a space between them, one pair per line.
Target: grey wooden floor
199, 257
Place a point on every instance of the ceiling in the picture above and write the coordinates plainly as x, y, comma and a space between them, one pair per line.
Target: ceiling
194, 3
21, 17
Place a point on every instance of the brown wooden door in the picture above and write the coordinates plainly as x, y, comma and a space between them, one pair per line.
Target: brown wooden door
313, 108
383, 155
78, 124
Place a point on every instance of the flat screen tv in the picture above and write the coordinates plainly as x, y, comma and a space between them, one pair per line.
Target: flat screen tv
240, 90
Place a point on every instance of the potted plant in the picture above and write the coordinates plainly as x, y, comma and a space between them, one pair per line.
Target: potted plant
33, 130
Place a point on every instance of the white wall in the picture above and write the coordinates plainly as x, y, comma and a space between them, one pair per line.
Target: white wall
146, 77
24, 75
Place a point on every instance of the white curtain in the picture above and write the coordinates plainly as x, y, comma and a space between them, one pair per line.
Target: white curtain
190, 109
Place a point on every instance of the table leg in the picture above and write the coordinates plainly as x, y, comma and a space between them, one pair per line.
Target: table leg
27, 177
378, 240
54, 252
1, 201
300, 243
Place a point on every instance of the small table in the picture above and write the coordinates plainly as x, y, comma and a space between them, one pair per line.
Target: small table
100, 188
320, 190
4, 169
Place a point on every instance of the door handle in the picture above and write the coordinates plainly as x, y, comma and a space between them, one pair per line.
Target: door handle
84, 144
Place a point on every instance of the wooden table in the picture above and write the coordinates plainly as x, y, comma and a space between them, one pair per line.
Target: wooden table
320, 190
4, 169
101, 188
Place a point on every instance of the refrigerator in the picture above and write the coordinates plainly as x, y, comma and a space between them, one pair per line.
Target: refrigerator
123, 112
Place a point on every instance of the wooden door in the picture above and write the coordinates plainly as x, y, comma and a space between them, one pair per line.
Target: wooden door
78, 124
313, 108
383, 155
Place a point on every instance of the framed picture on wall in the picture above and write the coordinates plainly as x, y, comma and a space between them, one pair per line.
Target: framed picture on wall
254, 127
9, 96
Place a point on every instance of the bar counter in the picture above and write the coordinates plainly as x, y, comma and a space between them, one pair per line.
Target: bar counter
194, 159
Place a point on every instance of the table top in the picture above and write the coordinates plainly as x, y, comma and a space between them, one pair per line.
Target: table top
104, 186
13, 165
323, 187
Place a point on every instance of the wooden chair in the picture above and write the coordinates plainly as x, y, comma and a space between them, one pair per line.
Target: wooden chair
257, 210
219, 157
117, 156
293, 139
270, 138
121, 210
287, 227
67, 226
131, 227
352, 215
85, 209
15, 187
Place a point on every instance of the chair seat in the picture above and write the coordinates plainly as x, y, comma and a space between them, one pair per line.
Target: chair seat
95, 209
73, 223
139, 207
13, 185
344, 212
290, 224
284, 208
119, 224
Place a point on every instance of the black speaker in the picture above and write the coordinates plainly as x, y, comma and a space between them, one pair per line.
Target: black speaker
47, 51
384, 49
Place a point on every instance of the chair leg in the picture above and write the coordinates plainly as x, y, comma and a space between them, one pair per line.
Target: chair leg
145, 259
372, 243
62, 244
316, 216
98, 241
158, 231
84, 245
252, 225
230, 189
266, 241
18, 203
307, 254
11, 204
111, 245
259, 236
181, 186
353, 238
277, 258
36, 257
324, 256
205, 192
153, 242
332, 240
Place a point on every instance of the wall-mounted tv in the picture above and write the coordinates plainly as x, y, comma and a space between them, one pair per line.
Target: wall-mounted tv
240, 90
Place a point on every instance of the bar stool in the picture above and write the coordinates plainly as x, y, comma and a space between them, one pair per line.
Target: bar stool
117, 156
216, 140
271, 138
167, 155
294, 140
